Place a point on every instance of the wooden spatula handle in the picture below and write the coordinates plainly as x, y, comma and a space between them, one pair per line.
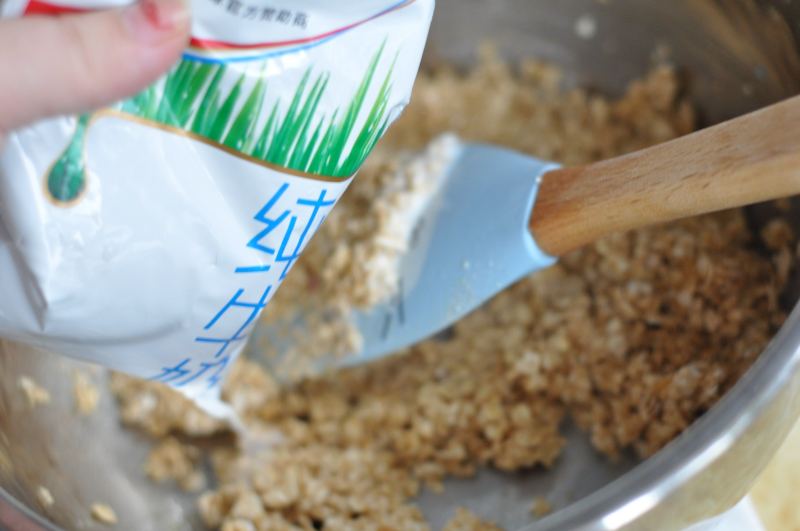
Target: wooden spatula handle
746, 160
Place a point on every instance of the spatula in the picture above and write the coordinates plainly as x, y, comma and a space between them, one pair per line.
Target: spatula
500, 215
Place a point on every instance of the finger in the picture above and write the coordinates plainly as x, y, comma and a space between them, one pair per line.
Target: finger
73, 63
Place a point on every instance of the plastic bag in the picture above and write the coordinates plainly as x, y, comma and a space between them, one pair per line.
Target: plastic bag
148, 236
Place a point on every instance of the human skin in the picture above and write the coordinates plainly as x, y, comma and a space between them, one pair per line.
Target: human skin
73, 63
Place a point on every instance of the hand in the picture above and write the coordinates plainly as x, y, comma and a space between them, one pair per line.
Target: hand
73, 63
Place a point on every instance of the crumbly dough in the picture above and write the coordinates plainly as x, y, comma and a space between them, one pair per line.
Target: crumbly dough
362, 250
86, 393
44, 496
464, 520
541, 507
103, 513
172, 460
35, 394
158, 410
634, 336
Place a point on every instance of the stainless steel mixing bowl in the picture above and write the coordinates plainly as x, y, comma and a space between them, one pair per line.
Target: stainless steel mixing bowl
737, 55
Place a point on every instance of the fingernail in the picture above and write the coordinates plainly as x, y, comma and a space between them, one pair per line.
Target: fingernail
152, 21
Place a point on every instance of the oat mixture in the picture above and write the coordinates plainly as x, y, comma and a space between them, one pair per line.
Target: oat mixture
541, 507
44, 496
464, 520
634, 337
172, 460
103, 513
362, 261
35, 394
86, 393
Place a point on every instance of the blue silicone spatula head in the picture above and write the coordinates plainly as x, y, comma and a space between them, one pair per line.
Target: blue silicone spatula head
469, 242
472, 238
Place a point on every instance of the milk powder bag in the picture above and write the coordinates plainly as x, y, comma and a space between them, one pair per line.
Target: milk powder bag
149, 235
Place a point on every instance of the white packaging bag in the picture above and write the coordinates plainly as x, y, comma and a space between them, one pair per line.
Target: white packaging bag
148, 236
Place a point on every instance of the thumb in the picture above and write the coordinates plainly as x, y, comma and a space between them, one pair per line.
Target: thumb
73, 63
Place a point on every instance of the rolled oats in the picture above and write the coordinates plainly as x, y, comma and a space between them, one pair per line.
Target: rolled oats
35, 394
103, 513
634, 336
464, 520
541, 507
44, 496
87, 395
172, 460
